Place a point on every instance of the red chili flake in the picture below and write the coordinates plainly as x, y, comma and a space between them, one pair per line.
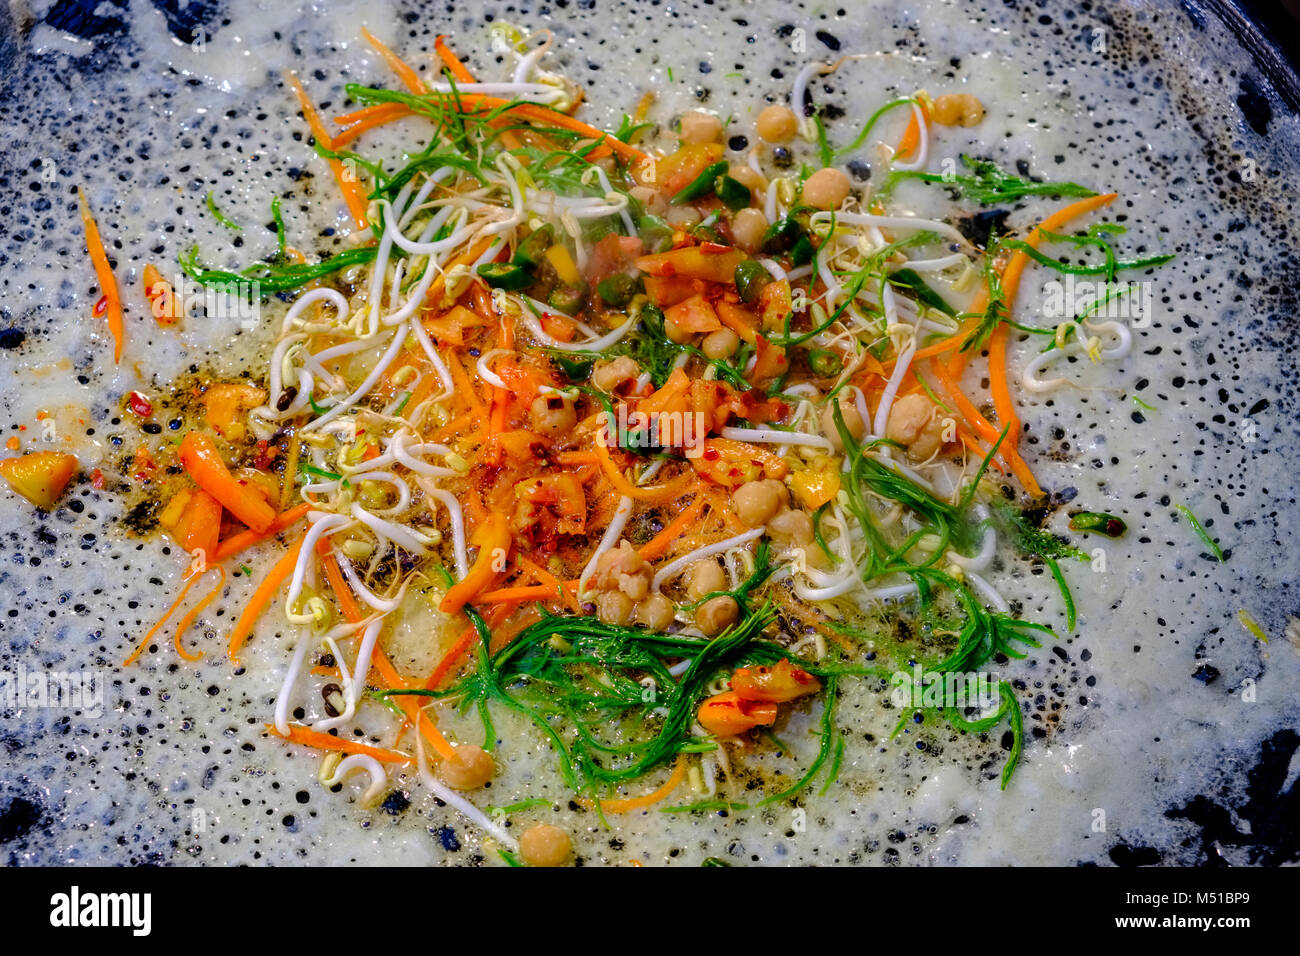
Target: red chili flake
101, 306
97, 479
139, 404
713, 248
711, 454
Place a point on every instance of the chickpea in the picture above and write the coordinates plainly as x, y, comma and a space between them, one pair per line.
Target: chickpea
619, 562
656, 612
698, 126
552, 414
826, 188
914, 422
614, 607
720, 344
748, 227
792, 528
777, 124
704, 577
757, 501
545, 845
717, 614
682, 217
649, 197
852, 420
748, 177
609, 374
468, 768
957, 109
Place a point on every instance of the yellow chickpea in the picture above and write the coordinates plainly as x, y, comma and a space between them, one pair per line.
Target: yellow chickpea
656, 612
957, 109
852, 420
720, 344
614, 607
717, 614
748, 177
826, 188
792, 528
552, 414
469, 768
704, 577
698, 126
610, 374
748, 227
776, 124
914, 422
545, 844
757, 501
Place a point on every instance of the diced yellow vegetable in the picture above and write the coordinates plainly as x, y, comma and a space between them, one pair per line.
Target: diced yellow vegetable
562, 261
170, 515
40, 477
815, 487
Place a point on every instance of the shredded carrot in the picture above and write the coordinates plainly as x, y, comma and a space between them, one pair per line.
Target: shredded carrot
367, 123
658, 545
104, 274
396, 64
261, 598
911, 139
458, 69
353, 613
349, 185
298, 734
536, 592
531, 112
246, 539
547, 578
342, 593
196, 611
190, 578
982, 427
657, 494
628, 804
464, 642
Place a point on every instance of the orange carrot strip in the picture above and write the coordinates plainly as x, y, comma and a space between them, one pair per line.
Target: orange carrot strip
998, 389
261, 598
353, 194
202, 461
396, 64
104, 275
495, 615
981, 426
912, 135
549, 579
246, 539
458, 69
657, 494
541, 114
334, 574
1019, 260
195, 612
298, 734
190, 578
385, 111
536, 592
659, 544
628, 804
352, 611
